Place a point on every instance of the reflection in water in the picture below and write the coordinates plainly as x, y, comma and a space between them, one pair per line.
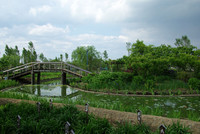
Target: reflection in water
33, 89
63, 91
38, 90
45, 90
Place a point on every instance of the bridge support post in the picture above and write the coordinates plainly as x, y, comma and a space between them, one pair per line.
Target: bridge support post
63, 78
38, 78
32, 78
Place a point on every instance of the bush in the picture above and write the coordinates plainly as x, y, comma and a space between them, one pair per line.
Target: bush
138, 80
162, 78
184, 76
194, 83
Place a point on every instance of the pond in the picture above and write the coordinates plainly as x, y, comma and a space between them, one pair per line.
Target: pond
49, 90
169, 106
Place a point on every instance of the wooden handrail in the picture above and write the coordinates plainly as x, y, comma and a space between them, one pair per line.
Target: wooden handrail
19, 67
56, 66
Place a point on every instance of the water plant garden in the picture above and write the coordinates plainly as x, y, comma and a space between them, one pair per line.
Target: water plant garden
161, 81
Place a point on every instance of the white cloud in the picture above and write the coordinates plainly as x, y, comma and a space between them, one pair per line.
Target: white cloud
3, 31
98, 11
47, 29
145, 34
39, 10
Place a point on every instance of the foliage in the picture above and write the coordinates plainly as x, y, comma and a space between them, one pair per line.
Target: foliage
150, 84
8, 83
49, 120
130, 129
87, 57
177, 129
183, 42
150, 60
66, 57
11, 58
138, 80
109, 80
105, 55
184, 76
194, 83
42, 58
29, 55
53, 121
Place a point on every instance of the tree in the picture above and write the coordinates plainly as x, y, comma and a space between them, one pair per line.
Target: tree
42, 58
29, 55
105, 55
12, 55
83, 55
128, 47
66, 57
183, 42
61, 57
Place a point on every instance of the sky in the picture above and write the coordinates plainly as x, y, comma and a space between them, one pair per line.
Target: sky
59, 26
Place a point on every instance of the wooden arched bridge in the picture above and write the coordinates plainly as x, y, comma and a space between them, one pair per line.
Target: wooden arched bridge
38, 67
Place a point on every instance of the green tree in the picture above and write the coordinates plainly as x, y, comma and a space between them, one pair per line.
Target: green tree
66, 57
61, 57
29, 55
128, 47
42, 58
12, 55
183, 42
83, 55
105, 55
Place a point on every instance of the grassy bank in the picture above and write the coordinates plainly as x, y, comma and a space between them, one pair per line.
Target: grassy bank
8, 83
116, 105
53, 121
128, 83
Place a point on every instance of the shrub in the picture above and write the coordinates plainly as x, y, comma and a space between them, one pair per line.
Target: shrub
194, 83
184, 76
162, 78
138, 80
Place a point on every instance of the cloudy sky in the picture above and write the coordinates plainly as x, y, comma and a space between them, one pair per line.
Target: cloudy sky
59, 26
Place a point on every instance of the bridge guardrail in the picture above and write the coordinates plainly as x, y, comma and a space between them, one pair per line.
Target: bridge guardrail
46, 66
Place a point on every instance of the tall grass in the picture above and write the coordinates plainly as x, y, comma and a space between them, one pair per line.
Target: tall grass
53, 121
8, 83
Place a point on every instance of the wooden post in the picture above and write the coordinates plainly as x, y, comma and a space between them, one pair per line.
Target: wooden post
18, 121
38, 106
162, 129
67, 127
139, 116
38, 78
32, 77
51, 104
87, 111
63, 78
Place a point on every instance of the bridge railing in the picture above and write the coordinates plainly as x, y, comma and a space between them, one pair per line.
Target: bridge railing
19, 69
62, 66
46, 66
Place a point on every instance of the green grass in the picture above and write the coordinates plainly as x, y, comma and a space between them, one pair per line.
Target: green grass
8, 83
53, 121
171, 84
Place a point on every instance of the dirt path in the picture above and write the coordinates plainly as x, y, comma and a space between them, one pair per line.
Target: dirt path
116, 116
